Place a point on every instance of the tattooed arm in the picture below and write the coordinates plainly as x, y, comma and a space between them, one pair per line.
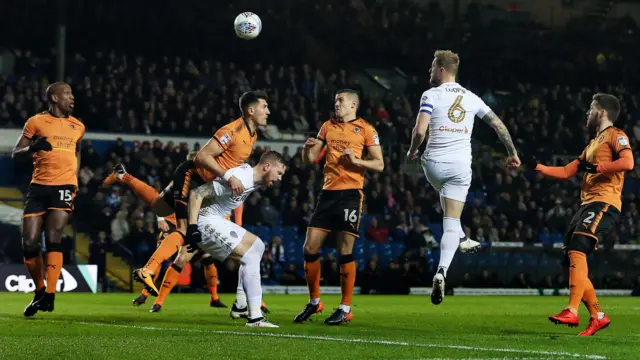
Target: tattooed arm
196, 197
494, 121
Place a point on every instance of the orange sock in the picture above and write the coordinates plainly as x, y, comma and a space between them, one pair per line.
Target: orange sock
169, 246
347, 278
142, 190
237, 215
578, 276
35, 266
170, 280
54, 267
211, 274
590, 300
144, 293
312, 273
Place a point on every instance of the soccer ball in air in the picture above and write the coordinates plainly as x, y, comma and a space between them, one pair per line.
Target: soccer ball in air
247, 25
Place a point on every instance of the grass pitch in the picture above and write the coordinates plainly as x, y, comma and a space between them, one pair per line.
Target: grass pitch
107, 326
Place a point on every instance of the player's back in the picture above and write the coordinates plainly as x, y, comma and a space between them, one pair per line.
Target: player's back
604, 148
237, 142
60, 165
224, 201
356, 135
453, 109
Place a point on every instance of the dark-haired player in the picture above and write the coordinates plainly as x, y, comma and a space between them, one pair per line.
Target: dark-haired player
52, 138
230, 147
604, 162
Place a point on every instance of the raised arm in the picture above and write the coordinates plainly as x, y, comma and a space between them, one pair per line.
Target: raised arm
503, 133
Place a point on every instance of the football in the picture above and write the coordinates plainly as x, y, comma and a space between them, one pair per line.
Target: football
247, 25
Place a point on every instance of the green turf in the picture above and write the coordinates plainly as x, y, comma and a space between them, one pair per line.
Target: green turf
107, 326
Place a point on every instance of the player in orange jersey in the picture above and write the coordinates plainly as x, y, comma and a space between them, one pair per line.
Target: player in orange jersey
340, 203
52, 138
230, 146
604, 162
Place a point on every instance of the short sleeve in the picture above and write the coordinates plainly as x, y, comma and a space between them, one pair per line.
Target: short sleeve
30, 130
619, 142
322, 134
219, 189
371, 137
483, 108
224, 136
426, 103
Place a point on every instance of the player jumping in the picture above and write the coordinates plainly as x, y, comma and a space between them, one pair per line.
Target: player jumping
52, 137
604, 162
340, 202
229, 147
448, 111
210, 231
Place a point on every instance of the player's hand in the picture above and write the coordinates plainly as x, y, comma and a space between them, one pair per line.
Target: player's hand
412, 155
513, 161
588, 167
236, 186
311, 142
349, 156
40, 144
193, 238
163, 226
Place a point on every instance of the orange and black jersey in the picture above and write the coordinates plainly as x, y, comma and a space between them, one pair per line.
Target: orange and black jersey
605, 148
237, 142
59, 166
338, 136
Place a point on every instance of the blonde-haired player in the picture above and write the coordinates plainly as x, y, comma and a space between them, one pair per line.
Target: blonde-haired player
448, 110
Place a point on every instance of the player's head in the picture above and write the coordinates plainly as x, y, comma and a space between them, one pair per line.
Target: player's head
604, 107
254, 106
346, 105
191, 155
60, 96
271, 167
444, 67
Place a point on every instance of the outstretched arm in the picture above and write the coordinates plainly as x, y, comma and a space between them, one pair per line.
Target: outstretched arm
559, 172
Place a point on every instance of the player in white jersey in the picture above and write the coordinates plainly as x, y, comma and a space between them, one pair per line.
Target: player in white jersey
210, 231
448, 110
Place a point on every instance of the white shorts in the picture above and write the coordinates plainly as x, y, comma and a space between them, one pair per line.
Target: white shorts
451, 180
219, 236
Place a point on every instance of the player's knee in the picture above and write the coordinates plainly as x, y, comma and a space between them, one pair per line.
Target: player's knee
53, 236
581, 243
310, 247
258, 246
254, 254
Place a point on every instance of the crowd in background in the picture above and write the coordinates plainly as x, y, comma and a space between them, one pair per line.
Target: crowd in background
543, 101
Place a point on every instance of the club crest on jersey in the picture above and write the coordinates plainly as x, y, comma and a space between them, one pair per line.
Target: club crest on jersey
233, 234
73, 127
376, 139
225, 139
356, 130
601, 138
622, 140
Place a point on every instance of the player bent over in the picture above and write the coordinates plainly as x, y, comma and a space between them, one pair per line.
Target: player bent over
604, 162
209, 230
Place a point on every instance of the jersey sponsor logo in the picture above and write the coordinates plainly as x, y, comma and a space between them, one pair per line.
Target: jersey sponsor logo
453, 130
622, 140
339, 145
226, 138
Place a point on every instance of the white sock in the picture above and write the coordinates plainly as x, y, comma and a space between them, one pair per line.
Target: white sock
600, 315
251, 281
120, 176
345, 308
461, 233
449, 242
241, 297
314, 301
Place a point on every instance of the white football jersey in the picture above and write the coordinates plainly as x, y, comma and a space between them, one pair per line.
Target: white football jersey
224, 202
452, 109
